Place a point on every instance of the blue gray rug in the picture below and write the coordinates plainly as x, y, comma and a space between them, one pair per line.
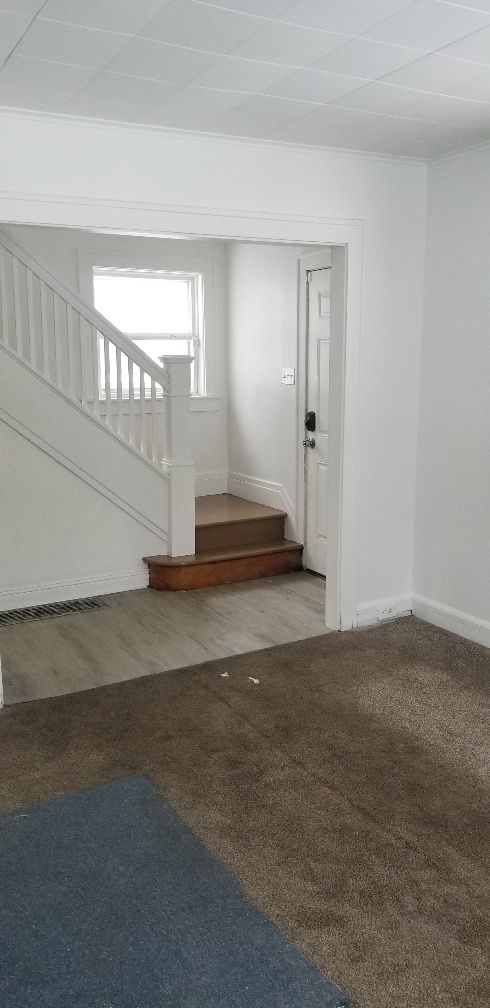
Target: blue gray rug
108, 900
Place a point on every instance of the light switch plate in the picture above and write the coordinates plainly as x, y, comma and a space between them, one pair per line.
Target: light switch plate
288, 376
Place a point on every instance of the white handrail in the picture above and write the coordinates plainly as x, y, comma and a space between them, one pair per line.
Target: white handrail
81, 355
79, 352
86, 312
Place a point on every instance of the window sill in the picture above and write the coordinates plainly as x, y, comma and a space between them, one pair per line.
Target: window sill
205, 403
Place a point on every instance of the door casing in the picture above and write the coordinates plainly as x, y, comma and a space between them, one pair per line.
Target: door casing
335, 617
311, 275
346, 236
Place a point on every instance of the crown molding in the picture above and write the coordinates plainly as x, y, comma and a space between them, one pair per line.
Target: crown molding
185, 136
456, 155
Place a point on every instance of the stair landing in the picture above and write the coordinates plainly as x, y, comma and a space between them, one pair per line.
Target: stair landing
218, 509
236, 540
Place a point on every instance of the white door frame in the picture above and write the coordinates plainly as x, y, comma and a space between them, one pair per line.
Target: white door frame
338, 502
204, 222
310, 261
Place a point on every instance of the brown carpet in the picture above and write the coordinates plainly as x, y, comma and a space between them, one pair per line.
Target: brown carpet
345, 790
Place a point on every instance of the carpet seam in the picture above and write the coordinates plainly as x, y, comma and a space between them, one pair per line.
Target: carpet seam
298, 764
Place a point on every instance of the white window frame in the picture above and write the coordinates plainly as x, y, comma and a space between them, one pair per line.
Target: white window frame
195, 338
196, 268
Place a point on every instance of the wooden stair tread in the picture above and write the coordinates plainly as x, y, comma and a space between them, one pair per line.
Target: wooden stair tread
224, 509
224, 554
236, 540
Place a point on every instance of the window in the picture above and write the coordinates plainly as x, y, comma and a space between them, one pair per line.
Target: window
161, 311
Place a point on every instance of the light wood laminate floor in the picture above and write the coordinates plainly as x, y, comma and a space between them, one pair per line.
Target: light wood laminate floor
142, 632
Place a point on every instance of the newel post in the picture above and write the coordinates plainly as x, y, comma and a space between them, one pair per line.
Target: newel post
177, 460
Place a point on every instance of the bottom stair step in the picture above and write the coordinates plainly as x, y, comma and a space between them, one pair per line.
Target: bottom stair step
223, 566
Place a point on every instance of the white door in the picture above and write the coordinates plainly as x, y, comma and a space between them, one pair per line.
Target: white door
317, 401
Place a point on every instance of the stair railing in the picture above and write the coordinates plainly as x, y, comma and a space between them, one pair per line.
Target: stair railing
89, 361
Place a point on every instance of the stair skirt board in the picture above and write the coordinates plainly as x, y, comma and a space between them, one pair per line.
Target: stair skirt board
184, 574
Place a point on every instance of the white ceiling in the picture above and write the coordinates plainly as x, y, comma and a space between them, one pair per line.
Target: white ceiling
402, 77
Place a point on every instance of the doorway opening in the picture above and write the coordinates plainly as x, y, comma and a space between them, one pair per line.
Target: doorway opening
315, 442
211, 407
321, 362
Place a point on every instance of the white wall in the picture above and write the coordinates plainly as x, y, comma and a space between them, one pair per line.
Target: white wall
79, 509
263, 339
93, 175
62, 250
59, 539
452, 540
262, 413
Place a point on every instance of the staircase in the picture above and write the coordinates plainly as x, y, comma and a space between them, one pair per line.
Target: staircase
84, 407
80, 403
236, 540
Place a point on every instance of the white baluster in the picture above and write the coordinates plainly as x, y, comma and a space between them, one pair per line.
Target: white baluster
178, 462
59, 334
38, 322
143, 448
86, 367
57, 337
95, 370
11, 303
3, 328
32, 318
119, 392
21, 296
132, 438
107, 376
5, 293
74, 358
18, 345
84, 384
155, 439
46, 299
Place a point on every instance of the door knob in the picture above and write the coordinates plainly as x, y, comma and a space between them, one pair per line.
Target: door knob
309, 442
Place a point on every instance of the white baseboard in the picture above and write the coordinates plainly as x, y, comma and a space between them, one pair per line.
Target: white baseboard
264, 492
461, 623
64, 591
211, 483
383, 610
